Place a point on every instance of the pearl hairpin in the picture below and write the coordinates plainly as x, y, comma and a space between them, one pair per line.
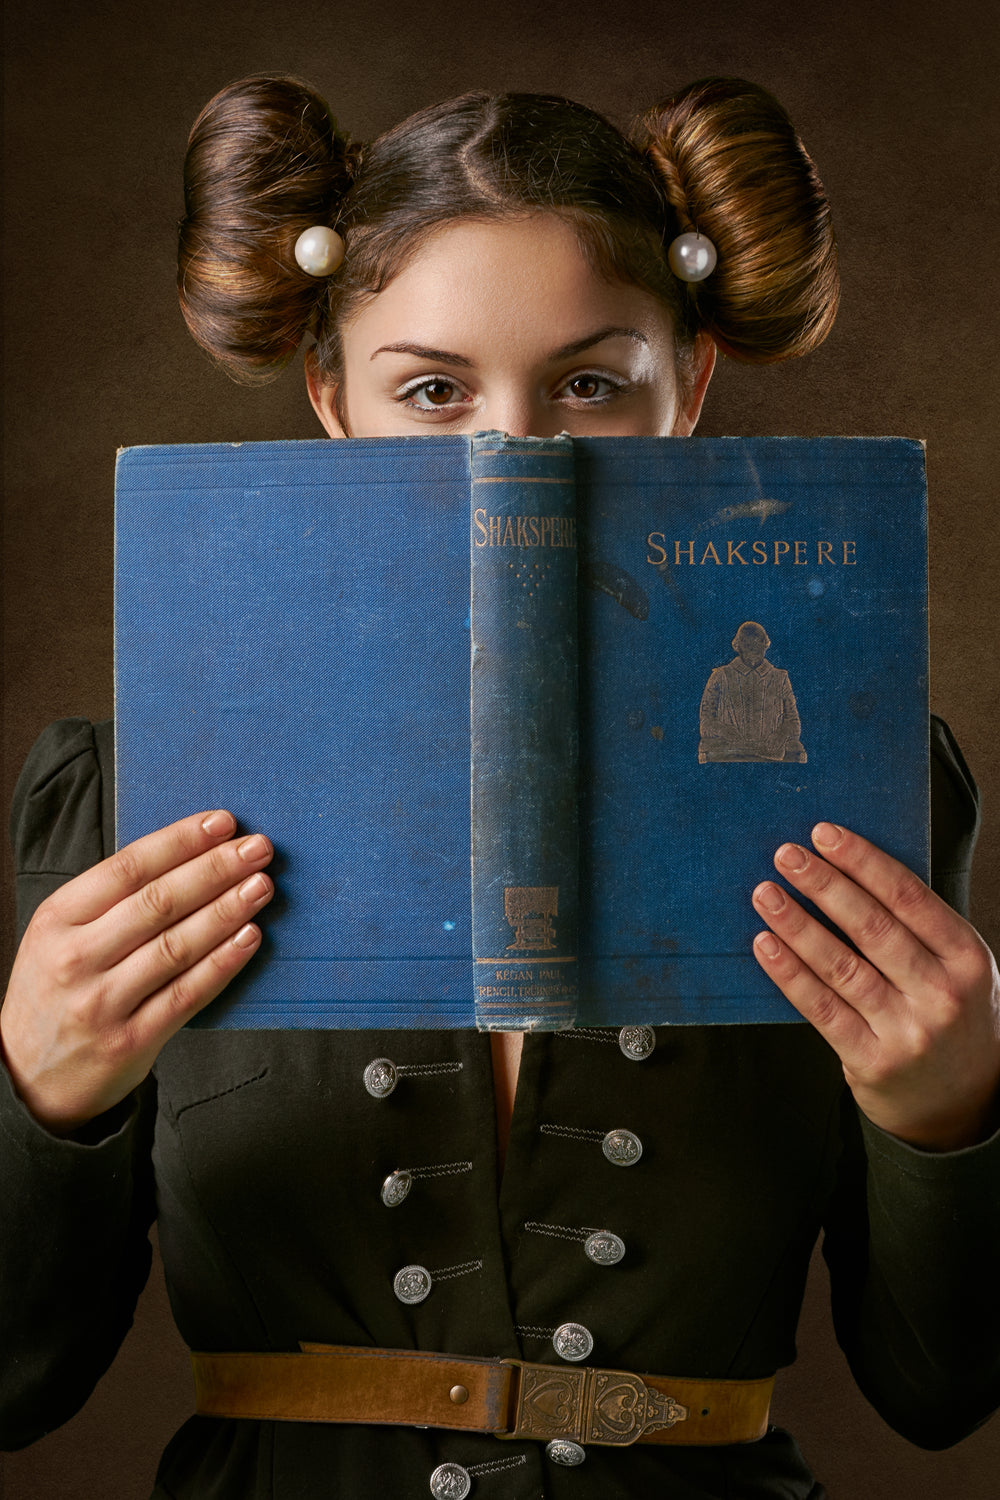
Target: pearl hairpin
692, 257
319, 250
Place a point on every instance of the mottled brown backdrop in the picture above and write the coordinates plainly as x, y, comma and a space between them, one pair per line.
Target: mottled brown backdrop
896, 101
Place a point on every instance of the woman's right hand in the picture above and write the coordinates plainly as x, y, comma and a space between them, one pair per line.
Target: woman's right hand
118, 959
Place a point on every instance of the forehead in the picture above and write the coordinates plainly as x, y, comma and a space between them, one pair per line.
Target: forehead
526, 276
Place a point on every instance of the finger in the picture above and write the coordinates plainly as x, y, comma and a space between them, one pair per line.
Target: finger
171, 1007
846, 1030
834, 965
158, 907
182, 947
97, 890
940, 929
880, 935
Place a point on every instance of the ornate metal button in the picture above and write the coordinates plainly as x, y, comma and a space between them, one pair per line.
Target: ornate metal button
562, 1451
450, 1482
637, 1042
412, 1284
381, 1077
604, 1248
572, 1341
396, 1186
622, 1147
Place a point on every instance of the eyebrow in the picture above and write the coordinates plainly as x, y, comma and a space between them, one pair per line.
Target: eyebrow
566, 351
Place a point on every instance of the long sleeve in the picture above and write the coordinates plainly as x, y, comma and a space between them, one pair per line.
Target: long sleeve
913, 1255
913, 1238
74, 1213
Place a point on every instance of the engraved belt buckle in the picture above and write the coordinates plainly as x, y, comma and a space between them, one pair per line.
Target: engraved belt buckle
608, 1407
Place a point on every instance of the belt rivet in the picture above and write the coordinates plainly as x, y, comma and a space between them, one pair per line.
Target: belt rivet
458, 1394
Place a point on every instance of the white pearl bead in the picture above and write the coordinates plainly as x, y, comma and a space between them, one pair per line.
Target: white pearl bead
319, 250
692, 257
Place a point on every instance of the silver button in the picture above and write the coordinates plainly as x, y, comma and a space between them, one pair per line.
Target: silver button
562, 1451
450, 1482
396, 1186
572, 1341
622, 1147
604, 1248
381, 1077
637, 1042
412, 1284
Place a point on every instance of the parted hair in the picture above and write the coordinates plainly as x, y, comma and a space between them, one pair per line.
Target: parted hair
266, 160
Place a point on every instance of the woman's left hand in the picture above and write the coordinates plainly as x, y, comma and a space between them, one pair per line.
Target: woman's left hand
914, 1015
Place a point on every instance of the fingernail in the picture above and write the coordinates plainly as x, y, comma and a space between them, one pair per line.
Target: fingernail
828, 834
767, 943
770, 897
792, 857
254, 888
255, 847
219, 824
247, 936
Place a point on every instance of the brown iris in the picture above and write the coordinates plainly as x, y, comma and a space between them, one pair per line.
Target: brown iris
438, 392
590, 382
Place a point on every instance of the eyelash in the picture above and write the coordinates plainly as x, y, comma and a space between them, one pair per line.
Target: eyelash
403, 397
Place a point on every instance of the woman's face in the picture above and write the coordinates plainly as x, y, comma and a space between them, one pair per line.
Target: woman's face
506, 326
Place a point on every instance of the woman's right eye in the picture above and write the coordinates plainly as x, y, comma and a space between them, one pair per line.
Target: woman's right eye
435, 394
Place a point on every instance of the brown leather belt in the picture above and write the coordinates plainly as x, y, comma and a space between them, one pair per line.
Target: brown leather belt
509, 1398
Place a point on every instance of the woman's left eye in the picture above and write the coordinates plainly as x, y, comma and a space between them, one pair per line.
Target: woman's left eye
593, 388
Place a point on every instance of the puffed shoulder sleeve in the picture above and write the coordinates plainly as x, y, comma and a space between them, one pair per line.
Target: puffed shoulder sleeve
955, 818
62, 815
74, 1212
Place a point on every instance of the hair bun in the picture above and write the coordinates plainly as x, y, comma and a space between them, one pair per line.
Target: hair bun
733, 167
264, 162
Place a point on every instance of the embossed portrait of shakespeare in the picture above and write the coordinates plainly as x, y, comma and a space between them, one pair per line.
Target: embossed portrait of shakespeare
748, 708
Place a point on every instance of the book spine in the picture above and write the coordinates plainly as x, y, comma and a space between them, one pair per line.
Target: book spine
523, 618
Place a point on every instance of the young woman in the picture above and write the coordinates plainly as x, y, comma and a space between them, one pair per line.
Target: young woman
510, 263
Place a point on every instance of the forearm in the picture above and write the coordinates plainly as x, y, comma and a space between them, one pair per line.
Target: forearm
913, 1249
74, 1255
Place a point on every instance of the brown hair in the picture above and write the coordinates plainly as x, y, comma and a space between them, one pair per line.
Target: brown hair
266, 160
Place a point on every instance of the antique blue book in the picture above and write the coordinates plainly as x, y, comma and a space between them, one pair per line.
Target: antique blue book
525, 718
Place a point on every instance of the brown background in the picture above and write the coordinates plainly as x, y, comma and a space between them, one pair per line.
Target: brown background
897, 103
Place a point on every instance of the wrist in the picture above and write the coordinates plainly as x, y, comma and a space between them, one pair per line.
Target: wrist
952, 1131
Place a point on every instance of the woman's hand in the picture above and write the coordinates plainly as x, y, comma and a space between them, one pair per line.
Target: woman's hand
915, 1014
117, 960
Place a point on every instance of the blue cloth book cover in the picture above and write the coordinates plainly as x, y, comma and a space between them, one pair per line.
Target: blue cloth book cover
524, 718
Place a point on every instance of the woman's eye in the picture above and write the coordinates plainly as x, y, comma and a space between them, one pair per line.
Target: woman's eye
592, 388
430, 395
